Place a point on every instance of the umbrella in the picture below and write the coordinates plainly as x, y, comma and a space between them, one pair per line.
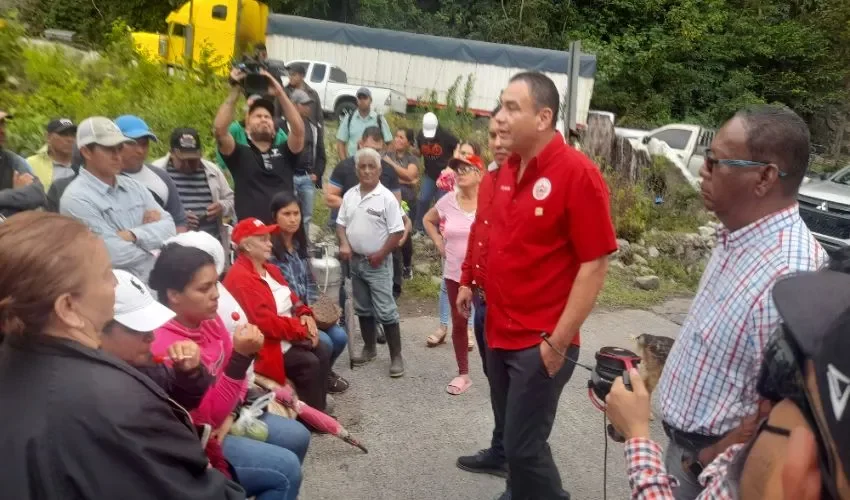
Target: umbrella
320, 421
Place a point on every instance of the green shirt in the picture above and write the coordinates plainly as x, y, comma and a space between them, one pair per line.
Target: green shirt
351, 129
237, 130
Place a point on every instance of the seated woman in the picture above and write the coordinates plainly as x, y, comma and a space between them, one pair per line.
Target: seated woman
113, 433
288, 324
185, 280
289, 247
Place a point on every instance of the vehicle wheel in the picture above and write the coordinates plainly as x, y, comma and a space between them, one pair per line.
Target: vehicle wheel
343, 108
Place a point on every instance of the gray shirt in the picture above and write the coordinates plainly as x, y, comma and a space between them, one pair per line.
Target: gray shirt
107, 210
13, 200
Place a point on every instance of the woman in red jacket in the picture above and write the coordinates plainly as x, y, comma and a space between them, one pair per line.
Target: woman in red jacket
291, 335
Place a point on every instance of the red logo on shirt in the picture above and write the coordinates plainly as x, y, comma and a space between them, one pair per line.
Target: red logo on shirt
433, 149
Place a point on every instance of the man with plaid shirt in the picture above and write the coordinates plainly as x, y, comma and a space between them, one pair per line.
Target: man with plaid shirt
749, 180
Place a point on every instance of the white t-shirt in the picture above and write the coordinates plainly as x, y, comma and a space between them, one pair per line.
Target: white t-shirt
283, 301
148, 178
227, 305
369, 220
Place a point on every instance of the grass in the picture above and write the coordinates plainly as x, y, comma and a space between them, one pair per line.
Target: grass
620, 292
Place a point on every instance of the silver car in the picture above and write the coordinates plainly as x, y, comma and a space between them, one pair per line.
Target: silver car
825, 207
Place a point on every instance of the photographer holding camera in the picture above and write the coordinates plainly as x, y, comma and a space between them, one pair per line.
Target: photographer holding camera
260, 169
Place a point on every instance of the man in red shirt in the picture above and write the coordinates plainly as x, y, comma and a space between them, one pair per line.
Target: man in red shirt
492, 460
550, 237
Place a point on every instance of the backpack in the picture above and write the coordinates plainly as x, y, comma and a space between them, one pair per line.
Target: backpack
380, 124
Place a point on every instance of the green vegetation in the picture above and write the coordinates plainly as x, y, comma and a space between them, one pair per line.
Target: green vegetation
620, 291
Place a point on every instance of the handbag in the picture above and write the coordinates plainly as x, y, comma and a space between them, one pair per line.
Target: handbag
326, 312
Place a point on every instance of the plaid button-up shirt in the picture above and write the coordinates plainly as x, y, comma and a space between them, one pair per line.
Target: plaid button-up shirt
649, 480
709, 381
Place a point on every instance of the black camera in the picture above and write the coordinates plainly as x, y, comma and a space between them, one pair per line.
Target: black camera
254, 82
611, 362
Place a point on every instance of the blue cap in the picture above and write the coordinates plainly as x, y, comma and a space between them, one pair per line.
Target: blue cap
134, 127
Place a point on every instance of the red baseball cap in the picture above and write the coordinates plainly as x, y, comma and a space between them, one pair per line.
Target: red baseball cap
472, 160
251, 227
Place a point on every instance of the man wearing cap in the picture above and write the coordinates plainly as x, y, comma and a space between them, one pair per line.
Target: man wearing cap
437, 146
237, 131
202, 187
260, 169
134, 154
296, 82
129, 336
369, 228
311, 162
799, 445
115, 207
20, 188
352, 126
55, 159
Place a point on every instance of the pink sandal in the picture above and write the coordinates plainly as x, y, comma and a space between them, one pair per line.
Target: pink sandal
459, 385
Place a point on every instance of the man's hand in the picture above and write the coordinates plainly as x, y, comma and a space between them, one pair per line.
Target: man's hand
21, 180
127, 236
464, 301
552, 361
627, 410
247, 340
404, 237
215, 210
345, 252
275, 86
220, 433
192, 221
376, 259
185, 355
741, 434
313, 177
151, 216
237, 75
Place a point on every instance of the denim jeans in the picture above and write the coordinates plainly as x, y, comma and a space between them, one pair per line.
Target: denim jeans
270, 470
373, 289
428, 192
445, 307
305, 189
689, 487
335, 339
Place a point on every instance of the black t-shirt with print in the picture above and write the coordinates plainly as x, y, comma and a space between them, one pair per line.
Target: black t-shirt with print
437, 151
344, 176
258, 176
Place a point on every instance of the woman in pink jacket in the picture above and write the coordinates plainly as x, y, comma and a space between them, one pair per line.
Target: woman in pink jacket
185, 280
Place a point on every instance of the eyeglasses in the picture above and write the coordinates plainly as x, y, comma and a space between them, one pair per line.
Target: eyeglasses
466, 169
781, 377
712, 161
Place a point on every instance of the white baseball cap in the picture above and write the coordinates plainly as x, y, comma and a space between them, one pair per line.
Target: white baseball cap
101, 131
135, 307
202, 241
429, 125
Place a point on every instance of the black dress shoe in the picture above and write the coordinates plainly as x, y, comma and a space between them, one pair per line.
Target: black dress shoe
484, 462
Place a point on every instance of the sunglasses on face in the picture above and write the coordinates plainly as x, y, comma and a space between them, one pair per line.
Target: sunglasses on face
711, 161
781, 377
466, 169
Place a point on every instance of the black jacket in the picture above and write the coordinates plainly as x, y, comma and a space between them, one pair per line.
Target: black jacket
186, 389
12, 199
82, 424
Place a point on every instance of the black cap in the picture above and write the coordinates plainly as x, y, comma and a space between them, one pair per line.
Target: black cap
186, 141
61, 126
815, 308
262, 103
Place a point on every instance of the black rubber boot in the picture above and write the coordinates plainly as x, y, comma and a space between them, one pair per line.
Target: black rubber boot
394, 342
370, 348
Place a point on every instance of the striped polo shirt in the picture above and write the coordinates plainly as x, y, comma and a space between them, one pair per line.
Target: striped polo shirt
195, 194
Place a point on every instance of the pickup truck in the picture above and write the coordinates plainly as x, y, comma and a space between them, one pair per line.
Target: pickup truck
689, 142
825, 208
340, 97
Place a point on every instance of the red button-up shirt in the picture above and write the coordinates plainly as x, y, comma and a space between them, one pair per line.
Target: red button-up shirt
474, 268
542, 230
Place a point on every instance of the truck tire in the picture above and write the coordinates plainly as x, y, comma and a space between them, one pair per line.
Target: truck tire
344, 107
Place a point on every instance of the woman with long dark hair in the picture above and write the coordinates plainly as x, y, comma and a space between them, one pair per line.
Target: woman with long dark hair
290, 255
185, 280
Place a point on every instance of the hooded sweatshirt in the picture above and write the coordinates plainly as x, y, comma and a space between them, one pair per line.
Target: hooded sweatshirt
225, 365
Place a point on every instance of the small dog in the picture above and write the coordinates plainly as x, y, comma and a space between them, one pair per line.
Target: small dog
653, 351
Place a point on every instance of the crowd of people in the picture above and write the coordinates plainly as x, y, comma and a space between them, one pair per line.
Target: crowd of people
144, 306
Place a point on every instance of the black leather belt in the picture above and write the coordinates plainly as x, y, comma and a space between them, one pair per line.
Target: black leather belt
689, 440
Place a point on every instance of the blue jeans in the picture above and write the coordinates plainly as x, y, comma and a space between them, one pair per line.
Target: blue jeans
335, 339
428, 191
305, 189
373, 289
445, 307
270, 470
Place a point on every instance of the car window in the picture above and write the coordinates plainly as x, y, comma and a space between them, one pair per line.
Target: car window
675, 138
319, 71
338, 75
178, 30
842, 177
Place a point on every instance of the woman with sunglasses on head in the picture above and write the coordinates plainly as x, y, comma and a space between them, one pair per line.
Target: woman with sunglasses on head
798, 446
77, 422
289, 254
185, 280
448, 224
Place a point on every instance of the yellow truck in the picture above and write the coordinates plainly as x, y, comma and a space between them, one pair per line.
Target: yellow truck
224, 28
